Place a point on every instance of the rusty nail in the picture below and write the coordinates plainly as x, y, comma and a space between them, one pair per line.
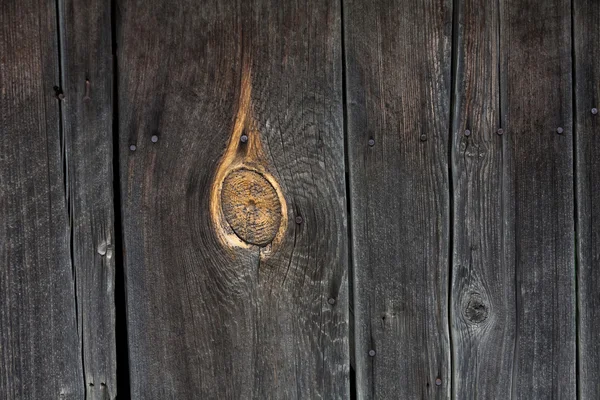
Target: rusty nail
331, 301
244, 138
154, 138
423, 137
371, 142
132, 147
467, 132
299, 220
500, 131
594, 111
559, 130
372, 353
438, 381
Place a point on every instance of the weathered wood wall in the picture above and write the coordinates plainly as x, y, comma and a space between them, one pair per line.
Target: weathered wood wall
299, 200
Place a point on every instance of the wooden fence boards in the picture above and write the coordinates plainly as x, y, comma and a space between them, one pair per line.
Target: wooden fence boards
586, 28
231, 132
40, 352
466, 131
536, 97
398, 95
86, 51
483, 270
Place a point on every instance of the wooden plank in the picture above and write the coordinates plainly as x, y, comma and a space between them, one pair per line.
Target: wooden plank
40, 353
86, 52
231, 134
483, 274
398, 95
536, 96
586, 26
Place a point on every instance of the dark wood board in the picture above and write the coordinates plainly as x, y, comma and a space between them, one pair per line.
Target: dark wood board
398, 59
40, 351
536, 100
87, 84
254, 89
586, 30
483, 275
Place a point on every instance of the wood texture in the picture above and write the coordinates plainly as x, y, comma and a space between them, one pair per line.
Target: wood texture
398, 94
251, 206
536, 96
40, 351
87, 81
586, 26
209, 314
483, 273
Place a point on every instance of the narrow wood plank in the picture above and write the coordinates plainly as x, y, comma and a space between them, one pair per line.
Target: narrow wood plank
398, 95
223, 104
40, 353
86, 51
483, 274
586, 26
536, 95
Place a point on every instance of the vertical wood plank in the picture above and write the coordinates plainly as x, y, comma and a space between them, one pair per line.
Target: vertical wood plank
398, 95
232, 174
40, 353
536, 96
86, 51
483, 273
586, 27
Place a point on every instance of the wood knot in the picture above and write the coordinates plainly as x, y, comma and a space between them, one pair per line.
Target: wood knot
251, 206
476, 310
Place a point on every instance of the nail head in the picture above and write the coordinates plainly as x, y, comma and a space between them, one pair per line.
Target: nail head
299, 219
331, 301
154, 138
244, 138
467, 132
438, 381
423, 137
594, 111
559, 130
371, 142
500, 131
61, 96
132, 147
372, 353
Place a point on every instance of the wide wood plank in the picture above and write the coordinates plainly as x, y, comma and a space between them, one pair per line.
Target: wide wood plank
398, 97
40, 351
233, 196
87, 81
483, 272
586, 26
536, 96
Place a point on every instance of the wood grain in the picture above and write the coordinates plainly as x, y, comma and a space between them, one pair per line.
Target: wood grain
86, 51
251, 206
536, 96
209, 315
483, 274
398, 97
586, 29
40, 350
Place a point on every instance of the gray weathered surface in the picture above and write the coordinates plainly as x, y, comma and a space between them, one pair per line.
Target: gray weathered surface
483, 272
398, 80
86, 51
207, 318
586, 25
536, 96
40, 352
